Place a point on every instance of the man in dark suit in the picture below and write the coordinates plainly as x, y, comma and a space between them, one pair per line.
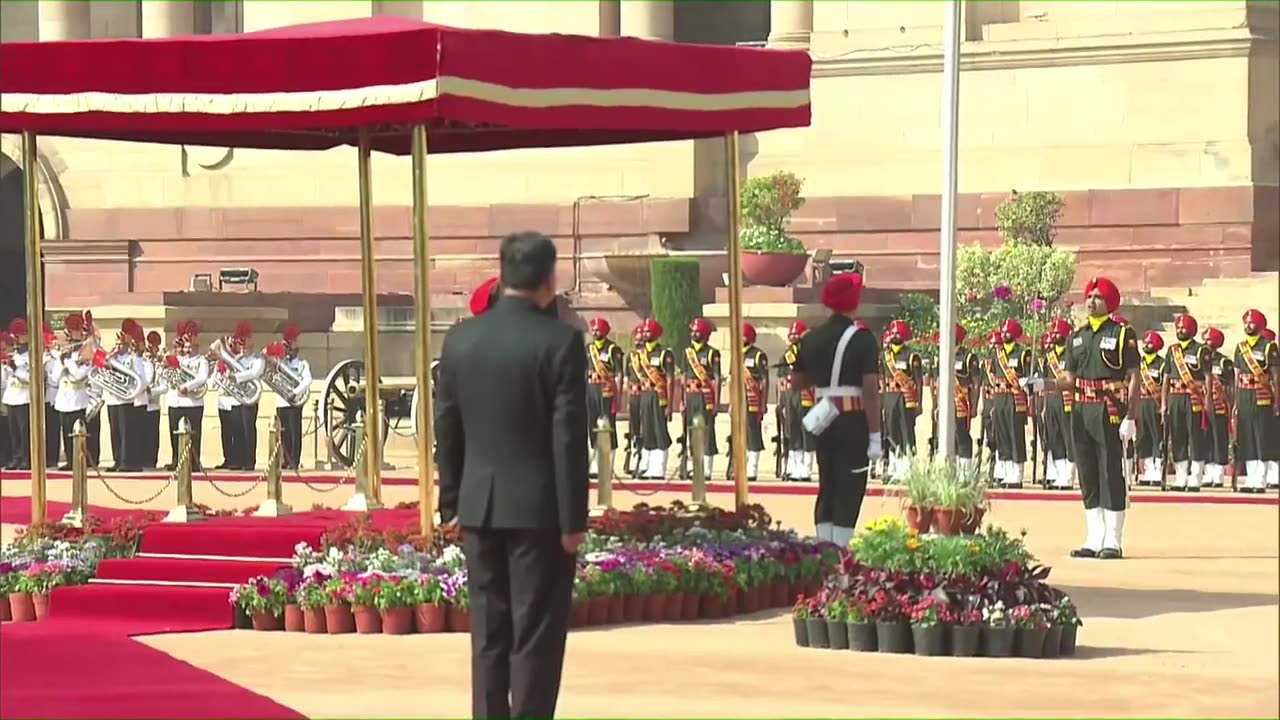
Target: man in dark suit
511, 428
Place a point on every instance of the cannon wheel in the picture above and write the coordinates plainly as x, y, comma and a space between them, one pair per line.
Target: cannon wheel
338, 410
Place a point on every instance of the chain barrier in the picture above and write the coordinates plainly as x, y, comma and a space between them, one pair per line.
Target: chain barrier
226, 493
359, 457
98, 474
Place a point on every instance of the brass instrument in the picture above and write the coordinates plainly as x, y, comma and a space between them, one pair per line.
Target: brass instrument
246, 393
177, 377
283, 381
115, 378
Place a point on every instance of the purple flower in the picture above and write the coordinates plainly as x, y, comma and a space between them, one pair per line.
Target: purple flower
1002, 292
1037, 305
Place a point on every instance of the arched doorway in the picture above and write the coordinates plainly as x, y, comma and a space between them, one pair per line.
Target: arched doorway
13, 248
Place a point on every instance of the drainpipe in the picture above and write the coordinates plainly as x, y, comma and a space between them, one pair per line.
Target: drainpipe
577, 229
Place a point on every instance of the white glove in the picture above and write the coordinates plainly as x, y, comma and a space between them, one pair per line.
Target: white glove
1128, 429
1033, 384
875, 449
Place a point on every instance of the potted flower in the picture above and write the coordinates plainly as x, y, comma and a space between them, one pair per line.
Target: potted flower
312, 597
458, 597
29, 599
262, 599
395, 599
915, 486
966, 632
338, 618
928, 631
859, 627
1032, 627
291, 579
998, 631
893, 634
431, 613
1067, 617
7, 577
666, 585
642, 605
836, 612
771, 256
364, 588
816, 625
599, 587
800, 620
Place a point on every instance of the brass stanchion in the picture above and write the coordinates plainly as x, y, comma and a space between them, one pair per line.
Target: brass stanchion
185, 510
422, 330
363, 499
35, 326
369, 302
79, 478
737, 388
604, 468
274, 505
698, 453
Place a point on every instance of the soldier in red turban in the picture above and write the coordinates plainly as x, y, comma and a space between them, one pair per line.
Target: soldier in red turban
796, 443
606, 363
902, 382
1151, 446
654, 367
1257, 368
1055, 426
699, 371
1010, 364
756, 378
1221, 376
1188, 402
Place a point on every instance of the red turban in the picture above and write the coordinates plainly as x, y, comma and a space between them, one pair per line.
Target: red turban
843, 293
1256, 318
1107, 289
482, 297
1153, 339
1268, 334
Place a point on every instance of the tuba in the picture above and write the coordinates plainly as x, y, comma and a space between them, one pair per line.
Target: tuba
283, 380
178, 376
114, 377
246, 393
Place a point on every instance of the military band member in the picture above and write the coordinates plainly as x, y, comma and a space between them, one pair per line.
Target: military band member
840, 359
1222, 377
52, 418
1102, 365
1187, 401
793, 403
244, 417
186, 390
968, 372
73, 399
1008, 366
17, 397
902, 373
655, 368
156, 390
1056, 420
699, 370
289, 409
6, 346
120, 408
756, 382
605, 366
1151, 450
1257, 408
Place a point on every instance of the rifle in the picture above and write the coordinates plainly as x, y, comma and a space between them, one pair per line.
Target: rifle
631, 456
683, 442
781, 441
1166, 456
1233, 449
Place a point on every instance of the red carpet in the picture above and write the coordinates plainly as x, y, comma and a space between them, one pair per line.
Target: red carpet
52, 670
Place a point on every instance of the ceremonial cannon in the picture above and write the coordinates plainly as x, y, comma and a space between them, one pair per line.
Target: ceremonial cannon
343, 398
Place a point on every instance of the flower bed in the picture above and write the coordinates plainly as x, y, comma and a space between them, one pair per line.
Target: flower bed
900, 592
644, 565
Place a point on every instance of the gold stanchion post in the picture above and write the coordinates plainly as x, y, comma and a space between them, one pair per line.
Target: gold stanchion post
369, 300
274, 506
185, 510
737, 388
79, 478
604, 468
422, 329
698, 451
35, 325
362, 500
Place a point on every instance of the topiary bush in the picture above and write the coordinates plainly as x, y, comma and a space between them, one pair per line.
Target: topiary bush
675, 293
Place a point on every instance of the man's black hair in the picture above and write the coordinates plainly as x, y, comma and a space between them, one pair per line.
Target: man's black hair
526, 259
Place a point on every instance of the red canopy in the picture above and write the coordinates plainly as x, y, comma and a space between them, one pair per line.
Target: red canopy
310, 86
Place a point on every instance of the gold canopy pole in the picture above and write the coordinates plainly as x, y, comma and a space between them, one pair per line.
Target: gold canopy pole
422, 327
35, 326
737, 388
369, 299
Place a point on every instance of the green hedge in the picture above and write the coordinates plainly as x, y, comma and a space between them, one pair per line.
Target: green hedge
675, 294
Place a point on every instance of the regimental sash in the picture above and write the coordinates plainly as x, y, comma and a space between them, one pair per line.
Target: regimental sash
601, 374
702, 381
653, 379
899, 381
753, 386
1011, 379
1150, 388
1219, 389
1059, 373
1184, 376
1256, 378
807, 397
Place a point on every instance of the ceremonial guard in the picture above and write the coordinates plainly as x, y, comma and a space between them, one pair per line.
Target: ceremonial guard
187, 377
605, 365
903, 378
156, 390
1257, 411
840, 359
245, 416
1221, 376
6, 347
73, 398
793, 402
294, 380
968, 372
1055, 423
1186, 404
1007, 368
1151, 439
17, 397
52, 418
632, 383
755, 378
1102, 366
994, 340
120, 400
699, 369
652, 369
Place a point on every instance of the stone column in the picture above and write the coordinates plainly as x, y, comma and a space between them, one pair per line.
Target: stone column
63, 20
648, 19
790, 22
167, 19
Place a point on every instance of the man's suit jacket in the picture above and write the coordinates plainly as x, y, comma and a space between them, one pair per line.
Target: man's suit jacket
511, 421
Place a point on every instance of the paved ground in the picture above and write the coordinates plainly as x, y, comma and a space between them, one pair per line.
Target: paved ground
1187, 626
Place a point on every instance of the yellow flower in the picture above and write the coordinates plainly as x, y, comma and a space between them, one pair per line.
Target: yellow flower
973, 548
913, 544
913, 532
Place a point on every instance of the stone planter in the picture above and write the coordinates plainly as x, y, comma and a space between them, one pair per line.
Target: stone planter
773, 269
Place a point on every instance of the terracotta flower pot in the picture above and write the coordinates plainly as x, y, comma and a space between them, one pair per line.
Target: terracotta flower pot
459, 619
430, 618
397, 621
313, 621
780, 594
580, 615
673, 610
655, 607
339, 620
812, 587
773, 269
794, 588
598, 610
5, 615
971, 522
732, 606
40, 601
689, 608
21, 607
267, 622
368, 620
946, 521
919, 518
711, 606
617, 610
293, 618
633, 608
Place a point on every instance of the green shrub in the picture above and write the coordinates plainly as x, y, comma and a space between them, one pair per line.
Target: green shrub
675, 294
